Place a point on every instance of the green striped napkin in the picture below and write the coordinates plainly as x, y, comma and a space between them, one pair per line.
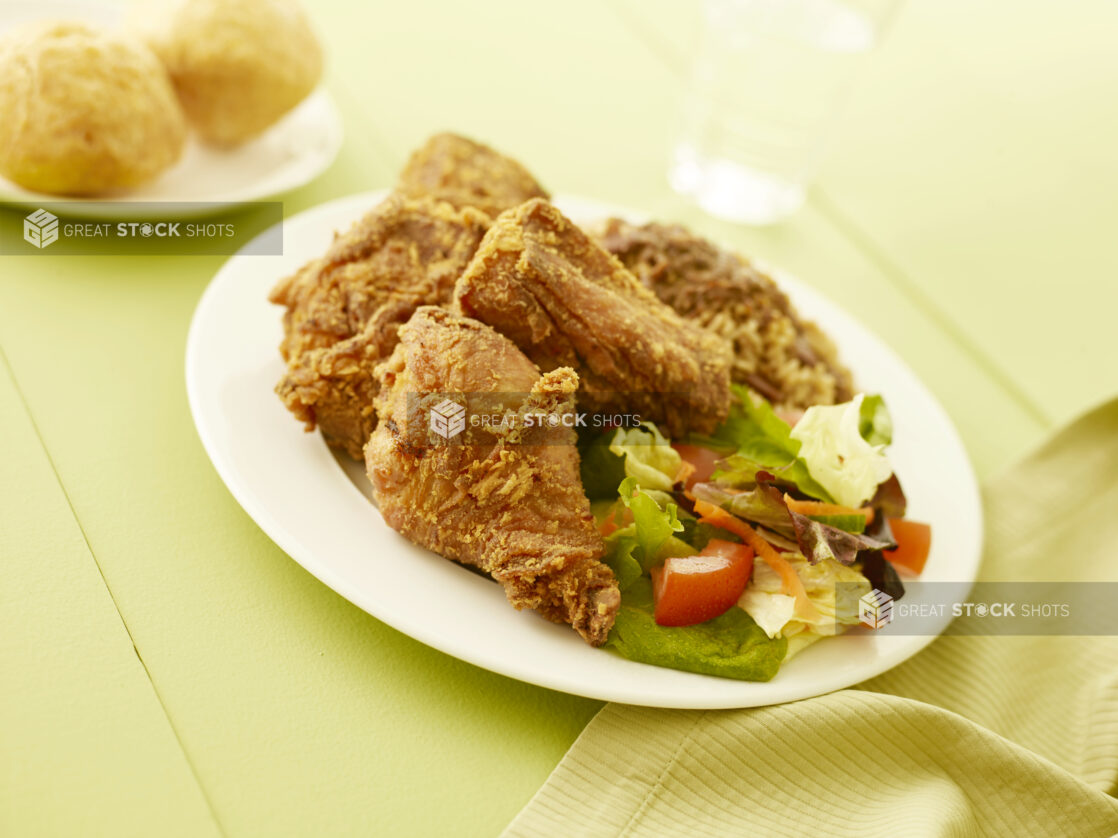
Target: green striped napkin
1002, 736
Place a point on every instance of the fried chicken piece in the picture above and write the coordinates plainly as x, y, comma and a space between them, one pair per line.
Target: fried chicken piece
540, 280
786, 359
507, 500
467, 174
343, 309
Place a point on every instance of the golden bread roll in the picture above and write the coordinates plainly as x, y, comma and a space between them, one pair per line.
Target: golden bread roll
84, 111
238, 65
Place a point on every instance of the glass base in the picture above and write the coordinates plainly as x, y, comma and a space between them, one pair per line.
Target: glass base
734, 192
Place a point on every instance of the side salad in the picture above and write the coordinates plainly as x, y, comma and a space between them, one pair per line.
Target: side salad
730, 549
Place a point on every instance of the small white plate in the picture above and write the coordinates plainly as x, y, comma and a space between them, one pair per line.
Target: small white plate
288, 155
295, 489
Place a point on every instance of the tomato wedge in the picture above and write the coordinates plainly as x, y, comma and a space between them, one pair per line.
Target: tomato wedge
694, 589
701, 460
914, 543
792, 584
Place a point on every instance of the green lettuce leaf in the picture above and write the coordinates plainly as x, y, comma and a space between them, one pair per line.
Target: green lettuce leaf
619, 558
659, 529
737, 471
831, 444
762, 441
770, 610
653, 528
729, 646
874, 422
647, 456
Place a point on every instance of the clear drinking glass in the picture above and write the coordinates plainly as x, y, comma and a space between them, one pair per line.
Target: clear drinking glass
768, 81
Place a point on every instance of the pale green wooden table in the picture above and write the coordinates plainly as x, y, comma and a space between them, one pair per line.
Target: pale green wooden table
166, 670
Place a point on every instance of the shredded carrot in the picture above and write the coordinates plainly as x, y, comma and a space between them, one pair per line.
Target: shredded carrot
685, 471
818, 507
792, 584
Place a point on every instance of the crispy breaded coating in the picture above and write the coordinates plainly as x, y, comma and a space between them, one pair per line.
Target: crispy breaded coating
786, 359
467, 174
540, 280
343, 310
507, 500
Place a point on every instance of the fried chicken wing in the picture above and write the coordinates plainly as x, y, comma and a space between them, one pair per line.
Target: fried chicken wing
540, 280
467, 174
504, 498
786, 359
343, 310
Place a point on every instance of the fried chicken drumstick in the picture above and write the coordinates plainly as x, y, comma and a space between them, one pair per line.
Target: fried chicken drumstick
507, 500
541, 281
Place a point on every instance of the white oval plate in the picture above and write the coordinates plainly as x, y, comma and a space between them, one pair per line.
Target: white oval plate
288, 155
299, 494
